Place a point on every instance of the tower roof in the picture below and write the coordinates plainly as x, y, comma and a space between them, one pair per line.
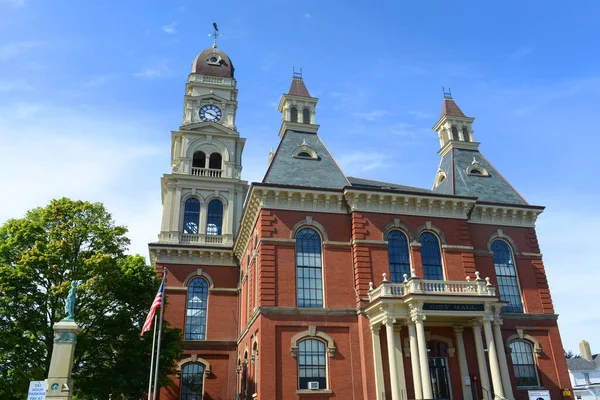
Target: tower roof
298, 88
213, 62
451, 108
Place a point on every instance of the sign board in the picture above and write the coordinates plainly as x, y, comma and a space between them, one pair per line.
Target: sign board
452, 307
37, 390
539, 394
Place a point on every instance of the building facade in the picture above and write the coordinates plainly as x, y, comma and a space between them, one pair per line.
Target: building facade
315, 285
584, 372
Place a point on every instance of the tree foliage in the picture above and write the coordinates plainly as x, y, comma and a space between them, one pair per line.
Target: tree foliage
39, 255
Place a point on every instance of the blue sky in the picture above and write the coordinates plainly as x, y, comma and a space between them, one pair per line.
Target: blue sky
89, 93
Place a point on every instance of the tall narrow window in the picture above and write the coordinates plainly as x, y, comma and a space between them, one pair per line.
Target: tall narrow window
524, 367
466, 135
398, 255
306, 116
454, 133
191, 216
309, 278
311, 363
195, 318
215, 161
431, 256
294, 114
255, 361
192, 381
506, 274
214, 222
199, 160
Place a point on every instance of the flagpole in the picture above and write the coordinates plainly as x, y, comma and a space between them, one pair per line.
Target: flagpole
162, 309
152, 359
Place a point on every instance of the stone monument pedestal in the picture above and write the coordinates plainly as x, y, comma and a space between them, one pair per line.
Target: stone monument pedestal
60, 386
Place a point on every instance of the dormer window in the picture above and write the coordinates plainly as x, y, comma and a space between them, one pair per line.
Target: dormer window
476, 169
306, 152
294, 114
440, 177
213, 59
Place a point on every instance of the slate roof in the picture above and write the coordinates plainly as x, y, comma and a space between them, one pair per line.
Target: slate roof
368, 183
298, 88
493, 188
451, 108
581, 364
286, 169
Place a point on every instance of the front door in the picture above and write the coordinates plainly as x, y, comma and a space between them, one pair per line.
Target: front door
438, 370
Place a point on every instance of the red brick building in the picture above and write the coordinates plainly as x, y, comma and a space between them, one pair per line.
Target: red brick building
315, 285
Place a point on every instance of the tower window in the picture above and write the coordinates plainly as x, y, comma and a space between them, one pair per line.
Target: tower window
506, 274
294, 114
306, 116
197, 302
191, 216
455, 133
312, 363
214, 222
466, 135
199, 160
398, 255
192, 381
215, 161
309, 273
431, 256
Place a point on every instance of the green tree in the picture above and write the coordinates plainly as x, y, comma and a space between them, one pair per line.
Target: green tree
39, 256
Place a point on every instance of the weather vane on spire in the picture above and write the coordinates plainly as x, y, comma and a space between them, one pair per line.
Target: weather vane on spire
215, 35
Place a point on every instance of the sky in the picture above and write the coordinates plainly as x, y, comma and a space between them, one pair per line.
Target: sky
90, 91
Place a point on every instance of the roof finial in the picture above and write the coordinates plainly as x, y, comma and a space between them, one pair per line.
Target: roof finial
448, 94
215, 35
297, 74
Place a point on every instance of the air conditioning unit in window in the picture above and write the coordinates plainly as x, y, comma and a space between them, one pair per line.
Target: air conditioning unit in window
313, 385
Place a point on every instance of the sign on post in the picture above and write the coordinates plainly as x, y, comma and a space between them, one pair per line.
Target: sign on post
539, 394
37, 390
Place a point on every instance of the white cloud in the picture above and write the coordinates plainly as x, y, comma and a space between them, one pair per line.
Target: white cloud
170, 28
362, 161
8, 51
372, 115
421, 115
158, 70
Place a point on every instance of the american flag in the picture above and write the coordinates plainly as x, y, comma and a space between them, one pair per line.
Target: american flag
158, 301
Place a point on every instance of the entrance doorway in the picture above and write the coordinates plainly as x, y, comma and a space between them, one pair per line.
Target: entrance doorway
438, 370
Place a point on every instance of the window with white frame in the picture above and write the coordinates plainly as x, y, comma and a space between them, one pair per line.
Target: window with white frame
521, 353
398, 254
506, 274
312, 365
191, 216
197, 302
431, 257
309, 272
214, 221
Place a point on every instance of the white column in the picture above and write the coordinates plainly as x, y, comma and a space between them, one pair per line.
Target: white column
399, 361
506, 384
462, 363
423, 357
493, 358
484, 379
176, 218
389, 333
414, 360
377, 363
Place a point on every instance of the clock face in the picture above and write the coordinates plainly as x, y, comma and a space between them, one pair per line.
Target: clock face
210, 113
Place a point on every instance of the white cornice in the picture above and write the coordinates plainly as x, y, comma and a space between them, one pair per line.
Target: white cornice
297, 126
191, 255
504, 215
458, 144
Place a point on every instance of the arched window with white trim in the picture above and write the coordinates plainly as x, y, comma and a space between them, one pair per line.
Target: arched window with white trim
309, 271
398, 254
431, 256
214, 221
312, 365
294, 114
197, 302
524, 367
191, 216
192, 381
506, 274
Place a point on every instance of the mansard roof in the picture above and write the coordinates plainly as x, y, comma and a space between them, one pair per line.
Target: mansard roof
289, 167
371, 184
298, 88
487, 186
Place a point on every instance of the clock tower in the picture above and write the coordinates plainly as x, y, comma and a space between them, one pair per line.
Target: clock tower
202, 196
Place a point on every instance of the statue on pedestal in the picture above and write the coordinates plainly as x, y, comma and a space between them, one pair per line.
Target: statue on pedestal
70, 302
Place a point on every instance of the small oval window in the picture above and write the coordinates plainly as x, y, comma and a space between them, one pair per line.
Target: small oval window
304, 154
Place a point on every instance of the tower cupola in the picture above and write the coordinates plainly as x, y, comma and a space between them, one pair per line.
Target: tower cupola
297, 107
454, 127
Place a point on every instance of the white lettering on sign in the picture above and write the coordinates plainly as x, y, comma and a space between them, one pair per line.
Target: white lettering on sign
37, 390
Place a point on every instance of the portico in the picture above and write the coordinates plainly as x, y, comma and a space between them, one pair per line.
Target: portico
424, 306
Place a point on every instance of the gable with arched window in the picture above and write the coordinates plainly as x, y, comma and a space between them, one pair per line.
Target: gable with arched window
192, 381
309, 272
312, 363
398, 254
506, 274
524, 367
197, 305
214, 220
431, 256
191, 216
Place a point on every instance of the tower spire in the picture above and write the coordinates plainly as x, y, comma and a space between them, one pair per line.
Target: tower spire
215, 35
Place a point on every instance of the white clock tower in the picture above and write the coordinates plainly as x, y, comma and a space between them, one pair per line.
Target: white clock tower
203, 195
